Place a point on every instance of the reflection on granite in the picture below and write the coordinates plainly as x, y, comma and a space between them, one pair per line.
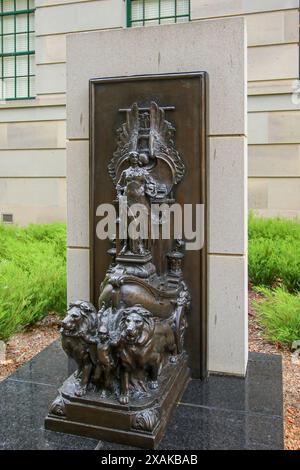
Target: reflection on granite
48, 367
260, 392
104, 445
59, 441
199, 428
23, 407
221, 413
219, 429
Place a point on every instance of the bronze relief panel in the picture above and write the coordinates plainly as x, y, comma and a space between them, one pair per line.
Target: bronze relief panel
182, 99
144, 333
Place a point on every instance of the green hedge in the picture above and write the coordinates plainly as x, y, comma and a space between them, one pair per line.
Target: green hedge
32, 274
274, 253
274, 271
279, 315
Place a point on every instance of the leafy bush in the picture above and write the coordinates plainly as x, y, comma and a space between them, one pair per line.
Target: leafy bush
274, 267
32, 274
279, 315
274, 252
276, 228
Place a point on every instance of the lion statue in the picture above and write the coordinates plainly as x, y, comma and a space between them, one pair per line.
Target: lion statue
143, 347
78, 329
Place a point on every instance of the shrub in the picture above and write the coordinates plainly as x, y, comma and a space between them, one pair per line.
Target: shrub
276, 228
32, 274
275, 262
274, 252
279, 315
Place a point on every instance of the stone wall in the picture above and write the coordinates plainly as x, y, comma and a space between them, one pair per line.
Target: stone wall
32, 133
273, 119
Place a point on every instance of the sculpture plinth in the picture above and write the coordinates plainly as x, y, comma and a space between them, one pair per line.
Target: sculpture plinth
132, 364
141, 423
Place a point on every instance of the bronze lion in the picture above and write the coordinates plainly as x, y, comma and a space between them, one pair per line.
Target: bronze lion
144, 345
77, 329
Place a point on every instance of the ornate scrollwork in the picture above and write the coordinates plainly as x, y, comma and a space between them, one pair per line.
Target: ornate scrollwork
146, 420
127, 136
161, 141
151, 125
58, 407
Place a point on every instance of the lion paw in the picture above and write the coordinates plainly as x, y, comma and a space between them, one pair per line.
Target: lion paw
124, 399
80, 391
153, 385
103, 394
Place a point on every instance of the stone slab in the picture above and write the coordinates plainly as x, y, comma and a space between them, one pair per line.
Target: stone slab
228, 314
227, 195
163, 49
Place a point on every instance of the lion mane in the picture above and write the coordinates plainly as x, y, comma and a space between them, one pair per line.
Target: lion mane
148, 323
82, 318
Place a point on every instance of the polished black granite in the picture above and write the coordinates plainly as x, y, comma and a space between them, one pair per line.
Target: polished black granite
49, 367
221, 413
23, 406
197, 428
220, 429
259, 392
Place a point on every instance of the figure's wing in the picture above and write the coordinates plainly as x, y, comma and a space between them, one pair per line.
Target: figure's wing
126, 141
161, 143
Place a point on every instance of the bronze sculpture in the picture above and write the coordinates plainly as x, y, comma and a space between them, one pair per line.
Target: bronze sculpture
137, 185
132, 364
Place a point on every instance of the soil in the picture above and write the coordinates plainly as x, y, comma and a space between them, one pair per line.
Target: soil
291, 376
24, 345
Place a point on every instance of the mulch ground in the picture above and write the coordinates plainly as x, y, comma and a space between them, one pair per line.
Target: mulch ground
23, 346
291, 377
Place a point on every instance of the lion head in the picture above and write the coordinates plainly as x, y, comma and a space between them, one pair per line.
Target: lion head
136, 325
81, 318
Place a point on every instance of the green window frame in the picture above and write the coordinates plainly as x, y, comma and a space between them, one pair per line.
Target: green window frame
152, 12
17, 51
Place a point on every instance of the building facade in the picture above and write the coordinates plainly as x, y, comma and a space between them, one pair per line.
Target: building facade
33, 104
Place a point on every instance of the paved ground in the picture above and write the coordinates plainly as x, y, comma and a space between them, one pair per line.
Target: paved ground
222, 413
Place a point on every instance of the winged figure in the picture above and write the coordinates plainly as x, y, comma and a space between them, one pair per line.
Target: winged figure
152, 126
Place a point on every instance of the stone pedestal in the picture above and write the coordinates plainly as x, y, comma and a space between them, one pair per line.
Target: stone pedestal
141, 424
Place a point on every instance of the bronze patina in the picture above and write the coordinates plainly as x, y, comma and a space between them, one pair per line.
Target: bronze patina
132, 364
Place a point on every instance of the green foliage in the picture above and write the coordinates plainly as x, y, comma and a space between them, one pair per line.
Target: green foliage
279, 315
274, 268
276, 228
32, 274
274, 252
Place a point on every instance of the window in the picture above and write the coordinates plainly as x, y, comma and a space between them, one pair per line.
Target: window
7, 218
16, 49
153, 12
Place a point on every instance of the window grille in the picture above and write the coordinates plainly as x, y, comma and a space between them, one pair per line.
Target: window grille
7, 218
17, 49
154, 12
